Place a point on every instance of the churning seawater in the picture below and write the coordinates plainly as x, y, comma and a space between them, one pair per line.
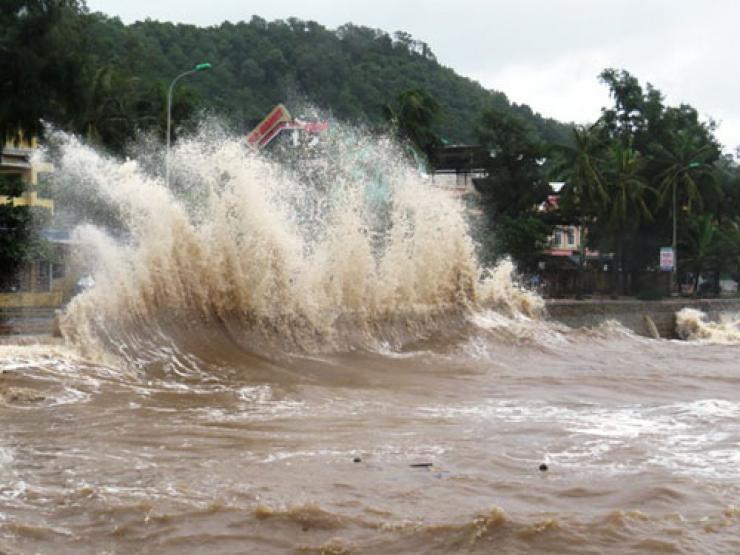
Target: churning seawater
307, 358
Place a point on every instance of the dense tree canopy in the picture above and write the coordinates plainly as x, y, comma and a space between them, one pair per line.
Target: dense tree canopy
514, 188
413, 116
93, 74
41, 63
642, 160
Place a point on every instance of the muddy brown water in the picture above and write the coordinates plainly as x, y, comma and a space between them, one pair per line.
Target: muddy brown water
281, 359
434, 448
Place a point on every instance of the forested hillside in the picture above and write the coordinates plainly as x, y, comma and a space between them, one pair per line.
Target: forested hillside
117, 74
352, 71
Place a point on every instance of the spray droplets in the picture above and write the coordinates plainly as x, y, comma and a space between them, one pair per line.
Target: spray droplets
330, 251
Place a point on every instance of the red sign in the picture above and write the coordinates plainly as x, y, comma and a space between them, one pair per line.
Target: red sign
278, 120
268, 127
309, 126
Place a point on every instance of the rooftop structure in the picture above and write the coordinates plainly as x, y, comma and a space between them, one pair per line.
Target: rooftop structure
456, 166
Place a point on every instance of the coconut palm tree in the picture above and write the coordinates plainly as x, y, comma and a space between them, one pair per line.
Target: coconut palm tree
702, 237
582, 166
628, 200
584, 195
685, 170
684, 176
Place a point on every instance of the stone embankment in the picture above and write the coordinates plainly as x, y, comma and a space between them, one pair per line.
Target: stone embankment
636, 315
631, 313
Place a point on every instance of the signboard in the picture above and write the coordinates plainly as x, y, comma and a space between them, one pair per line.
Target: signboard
666, 259
279, 120
269, 127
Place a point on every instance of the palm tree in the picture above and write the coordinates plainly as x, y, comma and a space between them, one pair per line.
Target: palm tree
701, 245
627, 207
584, 194
683, 167
684, 172
585, 190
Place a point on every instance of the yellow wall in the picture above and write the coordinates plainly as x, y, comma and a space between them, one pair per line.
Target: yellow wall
29, 171
62, 290
21, 141
29, 198
50, 299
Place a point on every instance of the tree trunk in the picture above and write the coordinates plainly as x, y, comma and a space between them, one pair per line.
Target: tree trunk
581, 260
616, 269
716, 286
696, 281
620, 264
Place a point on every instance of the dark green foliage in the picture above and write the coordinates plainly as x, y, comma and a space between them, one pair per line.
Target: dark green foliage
414, 115
523, 238
650, 295
41, 69
621, 174
514, 188
11, 185
20, 239
352, 72
515, 181
92, 74
581, 166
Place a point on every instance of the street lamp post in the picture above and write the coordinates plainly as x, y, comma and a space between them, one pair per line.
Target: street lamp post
197, 68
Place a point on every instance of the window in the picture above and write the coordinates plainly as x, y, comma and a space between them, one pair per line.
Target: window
43, 277
557, 239
57, 271
571, 236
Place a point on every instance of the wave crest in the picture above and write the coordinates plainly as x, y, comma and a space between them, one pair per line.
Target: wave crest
350, 247
692, 324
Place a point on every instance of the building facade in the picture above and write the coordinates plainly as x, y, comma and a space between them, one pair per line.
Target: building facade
42, 283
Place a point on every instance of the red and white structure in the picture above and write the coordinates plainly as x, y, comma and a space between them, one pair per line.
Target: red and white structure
277, 121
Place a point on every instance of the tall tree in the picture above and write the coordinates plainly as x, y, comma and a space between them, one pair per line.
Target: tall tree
514, 187
585, 195
685, 167
41, 63
684, 179
581, 167
415, 115
702, 246
628, 202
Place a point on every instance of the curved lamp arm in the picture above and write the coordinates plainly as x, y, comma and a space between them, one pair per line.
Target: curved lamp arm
197, 68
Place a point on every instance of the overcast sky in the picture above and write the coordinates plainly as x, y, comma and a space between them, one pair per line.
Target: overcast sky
546, 53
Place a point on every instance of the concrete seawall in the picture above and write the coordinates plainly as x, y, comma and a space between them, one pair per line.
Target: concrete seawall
631, 313
26, 321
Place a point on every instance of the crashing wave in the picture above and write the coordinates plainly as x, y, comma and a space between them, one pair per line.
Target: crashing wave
692, 324
350, 247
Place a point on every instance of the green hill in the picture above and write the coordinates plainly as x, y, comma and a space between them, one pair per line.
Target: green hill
90, 73
352, 71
